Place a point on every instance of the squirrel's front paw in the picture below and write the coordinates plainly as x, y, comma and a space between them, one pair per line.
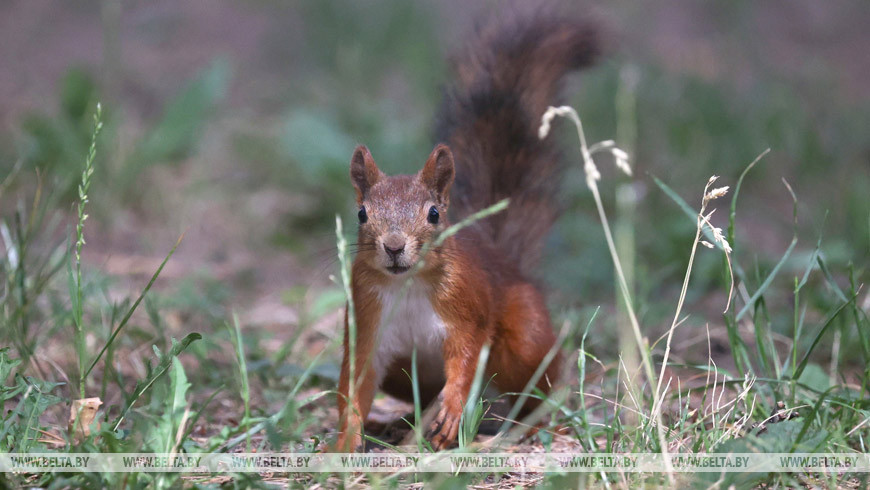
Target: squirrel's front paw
444, 429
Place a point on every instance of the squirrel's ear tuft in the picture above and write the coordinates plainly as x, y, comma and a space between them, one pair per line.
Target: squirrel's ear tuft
437, 175
363, 172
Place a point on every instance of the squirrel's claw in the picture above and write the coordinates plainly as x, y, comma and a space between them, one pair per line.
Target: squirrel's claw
443, 430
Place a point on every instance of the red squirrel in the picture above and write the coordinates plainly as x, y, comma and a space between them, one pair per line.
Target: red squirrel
475, 288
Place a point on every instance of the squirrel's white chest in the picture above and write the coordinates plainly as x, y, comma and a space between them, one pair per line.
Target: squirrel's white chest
408, 321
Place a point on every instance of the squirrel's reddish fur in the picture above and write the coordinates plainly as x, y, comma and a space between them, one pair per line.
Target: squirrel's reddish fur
475, 288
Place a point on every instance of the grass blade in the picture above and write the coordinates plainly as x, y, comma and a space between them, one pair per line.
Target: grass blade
581, 367
472, 412
243, 371
733, 214
825, 327
164, 364
770, 277
133, 308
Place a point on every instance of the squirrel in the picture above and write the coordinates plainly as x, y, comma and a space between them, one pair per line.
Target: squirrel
476, 287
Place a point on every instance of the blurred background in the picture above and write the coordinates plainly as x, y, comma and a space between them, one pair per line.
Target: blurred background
233, 122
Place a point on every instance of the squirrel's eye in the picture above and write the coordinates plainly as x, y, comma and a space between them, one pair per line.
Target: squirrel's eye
433, 215
363, 216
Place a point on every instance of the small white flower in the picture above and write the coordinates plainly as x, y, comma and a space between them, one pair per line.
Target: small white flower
592, 173
544, 130
720, 238
717, 193
619, 154
547, 118
621, 160
707, 244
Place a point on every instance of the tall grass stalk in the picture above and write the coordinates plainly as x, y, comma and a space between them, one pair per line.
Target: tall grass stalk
701, 220
243, 372
345, 264
467, 221
592, 178
84, 187
624, 226
418, 409
581, 369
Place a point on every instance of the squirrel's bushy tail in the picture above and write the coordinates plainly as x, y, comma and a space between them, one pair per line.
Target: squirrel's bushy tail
490, 116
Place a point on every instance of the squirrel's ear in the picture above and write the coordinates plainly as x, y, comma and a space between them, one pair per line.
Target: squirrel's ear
363, 172
437, 175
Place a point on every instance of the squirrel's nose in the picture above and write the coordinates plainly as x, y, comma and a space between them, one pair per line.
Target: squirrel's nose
394, 245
